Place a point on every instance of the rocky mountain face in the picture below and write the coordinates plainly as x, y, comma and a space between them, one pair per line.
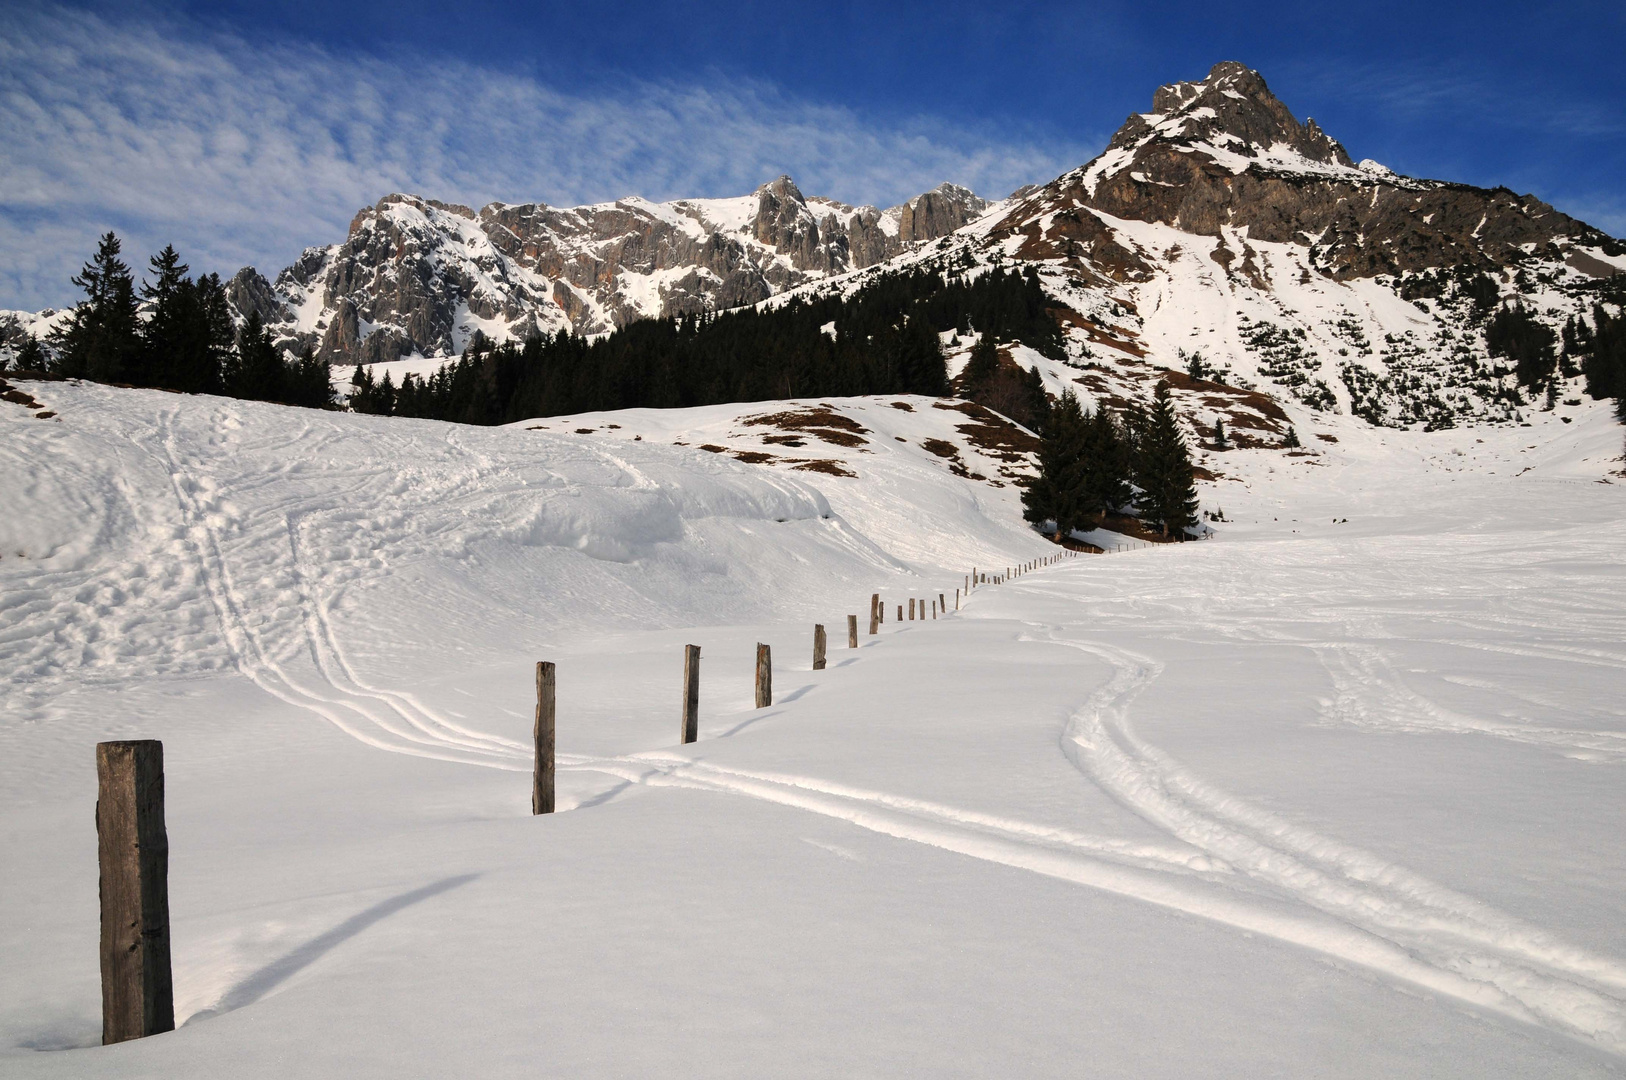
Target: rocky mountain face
1225, 154
1219, 238
416, 276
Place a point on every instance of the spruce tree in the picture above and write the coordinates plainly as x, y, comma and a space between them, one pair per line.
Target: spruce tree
1106, 464
1168, 495
171, 320
260, 373
1291, 440
100, 339
1219, 434
1057, 493
982, 365
29, 355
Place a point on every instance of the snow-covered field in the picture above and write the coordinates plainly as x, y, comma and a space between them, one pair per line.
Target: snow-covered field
1338, 793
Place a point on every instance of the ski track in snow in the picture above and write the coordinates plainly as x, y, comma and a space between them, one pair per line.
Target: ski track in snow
1475, 952
1226, 861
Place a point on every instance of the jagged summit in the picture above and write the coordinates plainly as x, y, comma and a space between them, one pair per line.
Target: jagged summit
420, 276
1234, 107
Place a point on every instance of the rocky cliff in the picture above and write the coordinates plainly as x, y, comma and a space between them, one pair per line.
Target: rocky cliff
416, 276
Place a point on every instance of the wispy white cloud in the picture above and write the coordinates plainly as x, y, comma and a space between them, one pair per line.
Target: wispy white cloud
243, 154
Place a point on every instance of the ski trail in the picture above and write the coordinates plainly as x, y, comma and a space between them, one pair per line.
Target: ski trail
1563, 986
253, 660
1368, 693
1279, 918
330, 662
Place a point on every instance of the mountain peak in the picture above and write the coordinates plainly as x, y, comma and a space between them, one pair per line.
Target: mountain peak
1232, 109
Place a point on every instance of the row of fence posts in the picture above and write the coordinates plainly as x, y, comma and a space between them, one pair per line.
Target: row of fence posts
138, 997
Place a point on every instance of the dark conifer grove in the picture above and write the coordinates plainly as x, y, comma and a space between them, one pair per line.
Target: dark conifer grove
184, 339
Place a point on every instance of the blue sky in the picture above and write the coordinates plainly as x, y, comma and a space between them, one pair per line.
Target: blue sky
244, 131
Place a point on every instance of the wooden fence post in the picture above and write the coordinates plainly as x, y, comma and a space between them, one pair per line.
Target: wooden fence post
900, 612
818, 646
942, 604
542, 776
691, 693
911, 609
138, 995
875, 613
764, 676
852, 631
956, 599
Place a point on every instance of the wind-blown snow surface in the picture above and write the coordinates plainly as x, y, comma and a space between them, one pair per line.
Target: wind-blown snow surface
1312, 798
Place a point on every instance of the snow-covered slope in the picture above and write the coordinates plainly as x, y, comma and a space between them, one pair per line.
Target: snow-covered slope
1337, 791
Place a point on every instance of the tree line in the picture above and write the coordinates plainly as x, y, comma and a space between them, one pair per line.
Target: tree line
184, 340
1094, 463
882, 339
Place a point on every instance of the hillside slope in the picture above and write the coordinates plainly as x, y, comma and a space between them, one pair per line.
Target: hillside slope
1338, 786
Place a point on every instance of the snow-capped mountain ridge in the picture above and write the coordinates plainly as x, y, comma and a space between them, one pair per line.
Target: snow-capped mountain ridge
418, 276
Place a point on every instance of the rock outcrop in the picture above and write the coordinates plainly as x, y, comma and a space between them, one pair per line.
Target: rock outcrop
416, 276
1225, 153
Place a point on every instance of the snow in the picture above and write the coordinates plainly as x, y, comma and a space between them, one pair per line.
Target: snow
1340, 786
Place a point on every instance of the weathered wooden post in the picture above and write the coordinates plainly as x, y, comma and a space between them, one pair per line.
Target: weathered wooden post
542, 776
956, 599
942, 605
852, 631
911, 609
691, 693
875, 613
764, 676
818, 646
900, 612
138, 996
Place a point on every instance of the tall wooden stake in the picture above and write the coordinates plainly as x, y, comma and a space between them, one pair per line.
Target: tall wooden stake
138, 996
764, 676
818, 646
900, 612
852, 631
542, 776
875, 613
956, 599
942, 605
911, 609
691, 693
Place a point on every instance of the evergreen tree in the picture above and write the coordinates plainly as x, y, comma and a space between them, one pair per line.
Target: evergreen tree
1168, 495
308, 381
100, 339
1219, 434
171, 321
211, 343
1291, 440
29, 355
1058, 493
982, 365
1106, 464
260, 374
1518, 335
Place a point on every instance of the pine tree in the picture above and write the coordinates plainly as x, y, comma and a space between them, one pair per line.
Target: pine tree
100, 339
1219, 434
29, 355
1106, 464
310, 383
1291, 440
171, 320
260, 373
982, 365
1057, 493
1168, 495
